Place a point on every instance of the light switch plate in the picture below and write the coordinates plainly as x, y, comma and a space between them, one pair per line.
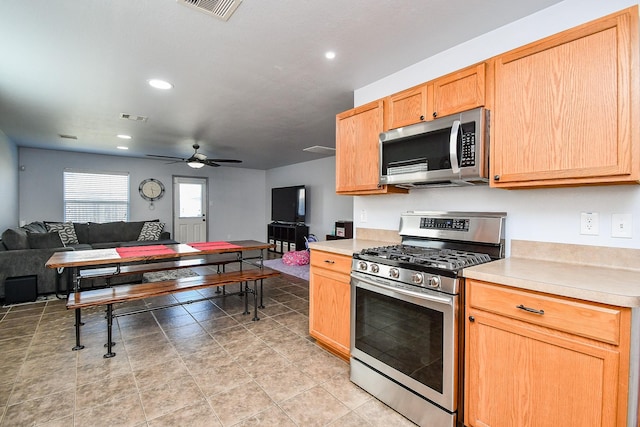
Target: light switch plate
621, 226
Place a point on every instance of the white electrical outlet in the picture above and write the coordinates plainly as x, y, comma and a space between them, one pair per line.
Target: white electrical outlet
621, 226
589, 223
363, 215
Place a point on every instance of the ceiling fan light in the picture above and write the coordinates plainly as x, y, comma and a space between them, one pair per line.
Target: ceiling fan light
195, 165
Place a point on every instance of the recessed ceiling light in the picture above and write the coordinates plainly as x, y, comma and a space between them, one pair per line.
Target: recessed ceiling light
330, 55
160, 84
123, 136
122, 147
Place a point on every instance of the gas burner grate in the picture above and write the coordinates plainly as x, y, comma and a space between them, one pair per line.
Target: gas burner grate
448, 259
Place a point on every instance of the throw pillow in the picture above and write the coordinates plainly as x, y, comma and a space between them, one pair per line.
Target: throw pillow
151, 231
296, 258
45, 240
15, 238
66, 230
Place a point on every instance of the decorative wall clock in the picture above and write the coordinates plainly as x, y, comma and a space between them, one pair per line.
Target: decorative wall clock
151, 190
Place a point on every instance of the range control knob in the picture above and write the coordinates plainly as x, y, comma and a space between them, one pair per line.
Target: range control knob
416, 278
394, 273
434, 281
374, 268
362, 266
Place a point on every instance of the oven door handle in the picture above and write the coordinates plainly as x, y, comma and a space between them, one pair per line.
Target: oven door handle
453, 146
427, 297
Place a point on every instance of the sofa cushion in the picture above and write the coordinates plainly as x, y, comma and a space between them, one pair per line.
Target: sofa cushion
131, 231
66, 230
82, 231
151, 231
105, 232
15, 239
35, 227
44, 240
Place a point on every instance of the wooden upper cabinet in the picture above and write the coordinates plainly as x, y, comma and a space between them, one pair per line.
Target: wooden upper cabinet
357, 150
566, 108
406, 108
450, 94
459, 91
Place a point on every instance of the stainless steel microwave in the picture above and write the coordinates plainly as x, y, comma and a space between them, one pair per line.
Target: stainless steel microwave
448, 151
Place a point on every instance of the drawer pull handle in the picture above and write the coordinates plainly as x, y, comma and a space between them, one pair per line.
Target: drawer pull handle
329, 261
530, 310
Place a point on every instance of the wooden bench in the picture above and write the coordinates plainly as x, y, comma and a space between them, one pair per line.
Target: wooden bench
123, 293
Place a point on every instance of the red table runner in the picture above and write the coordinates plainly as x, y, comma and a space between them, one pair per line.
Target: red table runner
204, 246
135, 251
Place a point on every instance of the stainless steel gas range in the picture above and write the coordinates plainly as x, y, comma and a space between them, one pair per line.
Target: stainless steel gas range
407, 301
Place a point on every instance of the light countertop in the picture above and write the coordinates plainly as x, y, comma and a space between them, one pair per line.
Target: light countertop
346, 246
591, 273
605, 285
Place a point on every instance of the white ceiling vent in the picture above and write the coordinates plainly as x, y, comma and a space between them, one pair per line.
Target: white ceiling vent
133, 117
320, 149
222, 9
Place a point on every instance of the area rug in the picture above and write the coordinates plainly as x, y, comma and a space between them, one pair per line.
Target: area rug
300, 271
158, 276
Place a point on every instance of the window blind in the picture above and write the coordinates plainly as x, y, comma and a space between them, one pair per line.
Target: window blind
96, 196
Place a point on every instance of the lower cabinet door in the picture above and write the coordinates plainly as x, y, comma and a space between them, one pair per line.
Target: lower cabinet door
329, 311
522, 376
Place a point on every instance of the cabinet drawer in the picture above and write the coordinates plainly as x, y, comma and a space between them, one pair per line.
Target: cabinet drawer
331, 261
585, 319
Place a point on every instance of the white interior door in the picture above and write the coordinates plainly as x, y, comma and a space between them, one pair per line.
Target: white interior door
190, 209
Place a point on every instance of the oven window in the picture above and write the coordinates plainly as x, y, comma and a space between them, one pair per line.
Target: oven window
404, 336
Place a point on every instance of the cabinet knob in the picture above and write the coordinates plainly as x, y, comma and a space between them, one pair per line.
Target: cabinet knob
329, 261
472, 319
496, 177
421, 117
435, 114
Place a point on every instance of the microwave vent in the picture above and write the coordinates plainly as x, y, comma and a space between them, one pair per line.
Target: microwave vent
408, 166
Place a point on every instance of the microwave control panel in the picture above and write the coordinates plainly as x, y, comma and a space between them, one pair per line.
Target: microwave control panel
468, 149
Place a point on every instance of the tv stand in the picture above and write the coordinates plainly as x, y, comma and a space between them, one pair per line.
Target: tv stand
287, 237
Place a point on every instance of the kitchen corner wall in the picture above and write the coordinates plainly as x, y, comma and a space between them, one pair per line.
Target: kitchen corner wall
324, 206
9, 183
550, 215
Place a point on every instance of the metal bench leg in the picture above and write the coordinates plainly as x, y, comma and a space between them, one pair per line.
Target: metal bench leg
78, 323
261, 291
110, 353
255, 301
246, 300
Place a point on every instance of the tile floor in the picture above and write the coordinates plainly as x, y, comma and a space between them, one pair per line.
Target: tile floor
202, 364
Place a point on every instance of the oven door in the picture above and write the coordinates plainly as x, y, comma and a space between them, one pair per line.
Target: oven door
410, 336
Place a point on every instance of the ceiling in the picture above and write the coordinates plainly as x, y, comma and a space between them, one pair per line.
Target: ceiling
256, 87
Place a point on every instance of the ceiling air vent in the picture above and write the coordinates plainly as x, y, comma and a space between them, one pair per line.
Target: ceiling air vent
133, 117
221, 9
66, 136
320, 149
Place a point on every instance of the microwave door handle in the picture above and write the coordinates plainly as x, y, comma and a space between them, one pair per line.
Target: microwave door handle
453, 147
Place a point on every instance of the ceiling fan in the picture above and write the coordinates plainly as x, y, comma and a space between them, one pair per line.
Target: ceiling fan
197, 160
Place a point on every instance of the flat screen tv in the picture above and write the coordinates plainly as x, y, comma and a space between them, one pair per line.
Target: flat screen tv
288, 204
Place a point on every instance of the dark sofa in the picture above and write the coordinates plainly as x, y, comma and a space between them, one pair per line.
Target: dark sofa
25, 250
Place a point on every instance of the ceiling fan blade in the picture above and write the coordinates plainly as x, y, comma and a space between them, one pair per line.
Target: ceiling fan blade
210, 162
165, 157
226, 160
